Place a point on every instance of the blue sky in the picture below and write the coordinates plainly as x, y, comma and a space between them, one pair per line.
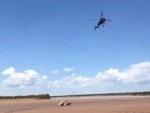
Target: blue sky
50, 46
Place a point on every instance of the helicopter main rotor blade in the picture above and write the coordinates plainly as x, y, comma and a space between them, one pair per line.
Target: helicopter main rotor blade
101, 14
108, 20
93, 19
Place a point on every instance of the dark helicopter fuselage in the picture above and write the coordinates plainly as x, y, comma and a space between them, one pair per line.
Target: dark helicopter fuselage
101, 22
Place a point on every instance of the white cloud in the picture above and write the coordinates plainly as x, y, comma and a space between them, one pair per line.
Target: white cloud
10, 71
109, 75
68, 69
55, 72
111, 78
136, 74
72, 81
23, 79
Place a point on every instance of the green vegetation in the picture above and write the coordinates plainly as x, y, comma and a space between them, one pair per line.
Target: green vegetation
109, 94
40, 96
47, 96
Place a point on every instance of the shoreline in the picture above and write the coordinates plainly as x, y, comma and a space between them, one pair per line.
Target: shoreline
111, 104
114, 96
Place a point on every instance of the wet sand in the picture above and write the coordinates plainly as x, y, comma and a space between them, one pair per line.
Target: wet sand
116, 104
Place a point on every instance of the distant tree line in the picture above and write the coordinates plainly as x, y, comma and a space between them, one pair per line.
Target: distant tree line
40, 96
109, 94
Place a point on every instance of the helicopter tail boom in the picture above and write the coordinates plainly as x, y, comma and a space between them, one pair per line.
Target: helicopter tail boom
96, 27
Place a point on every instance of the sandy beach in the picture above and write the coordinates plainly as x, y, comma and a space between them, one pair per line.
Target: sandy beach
116, 104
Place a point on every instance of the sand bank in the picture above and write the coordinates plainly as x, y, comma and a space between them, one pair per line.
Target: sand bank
118, 104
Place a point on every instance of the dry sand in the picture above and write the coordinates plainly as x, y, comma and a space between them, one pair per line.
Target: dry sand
116, 104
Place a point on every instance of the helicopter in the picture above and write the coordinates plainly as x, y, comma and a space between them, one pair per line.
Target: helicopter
102, 21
